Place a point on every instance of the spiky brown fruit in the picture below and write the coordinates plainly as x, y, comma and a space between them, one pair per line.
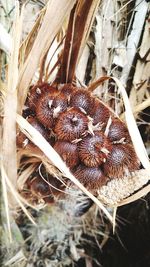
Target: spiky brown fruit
94, 149
23, 141
49, 106
39, 187
68, 152
121, 160
82, 99
100, 113
71, 125
59, 105
91, 178
68, 89
36, 92
118, 130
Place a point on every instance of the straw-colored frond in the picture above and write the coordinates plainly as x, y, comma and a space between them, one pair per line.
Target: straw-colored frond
10, 105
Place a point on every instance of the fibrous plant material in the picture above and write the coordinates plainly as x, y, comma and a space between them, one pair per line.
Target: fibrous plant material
117, 191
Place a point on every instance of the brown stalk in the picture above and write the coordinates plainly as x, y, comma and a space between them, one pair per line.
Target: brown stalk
42, 67
81, 18
95, 84
67, 48
78, 30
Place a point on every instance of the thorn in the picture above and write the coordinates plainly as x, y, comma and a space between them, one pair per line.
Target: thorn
38, 90
108, 126
76, 141
105, 151
56, 112
83, 110
25, 142
74, 119
50, 103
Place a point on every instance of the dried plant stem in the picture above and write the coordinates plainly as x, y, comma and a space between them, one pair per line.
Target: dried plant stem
25, 175
139, 108
95, 84
141, 10
143, 192
80, 25
16, 195
4, 187
64, 69
145, 104
114, 218
10, 104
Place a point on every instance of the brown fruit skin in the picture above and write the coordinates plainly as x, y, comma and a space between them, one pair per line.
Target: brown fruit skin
71, 124
27, 112
36, 92
46, 106
92, 178
118, 130
38, 126
39, 187
49, 199
82, 99
100, 113
46, 190
90, 149
68, 152
122, 159
68, 89
61, 102
43, 112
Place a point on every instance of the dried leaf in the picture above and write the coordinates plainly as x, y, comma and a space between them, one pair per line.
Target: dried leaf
55, 14
10, 103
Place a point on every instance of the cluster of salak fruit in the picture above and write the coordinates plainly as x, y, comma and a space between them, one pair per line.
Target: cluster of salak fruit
93, 142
